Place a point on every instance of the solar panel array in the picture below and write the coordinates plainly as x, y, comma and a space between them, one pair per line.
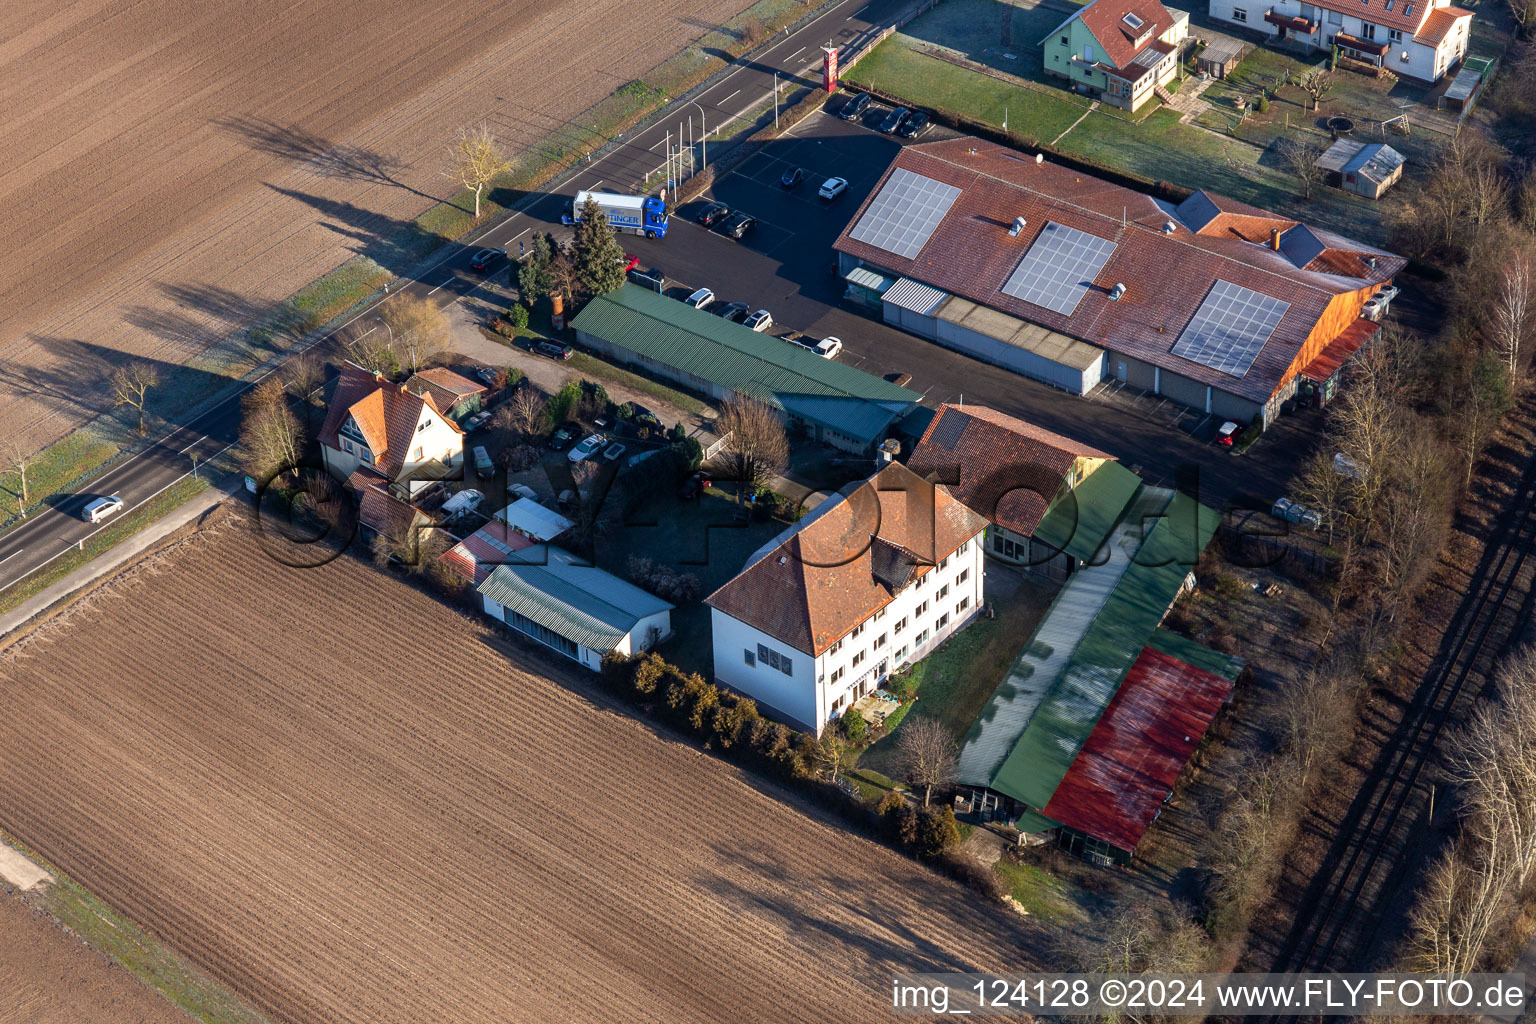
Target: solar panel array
904, 214
1059, 268
1230, 328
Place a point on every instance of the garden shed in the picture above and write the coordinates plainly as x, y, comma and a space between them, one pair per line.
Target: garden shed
1220, 57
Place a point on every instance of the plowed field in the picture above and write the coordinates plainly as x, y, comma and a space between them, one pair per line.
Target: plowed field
351, 803
172, 169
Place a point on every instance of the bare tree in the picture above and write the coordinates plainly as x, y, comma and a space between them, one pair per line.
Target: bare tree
831, 755
305, 379
1317, 86
927, 751
418, 330
1483, 397
1494, 761
271, 436
477, 160
1301, 156
131, 385
16, 458
1465, 897
526, 413
1142, 938
1512, 318
756, 446
1524, 13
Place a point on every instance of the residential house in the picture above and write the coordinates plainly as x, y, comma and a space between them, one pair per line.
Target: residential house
869, 581
831, 401
456, 394
1051, 500
571, 606
1419, 39
402, 436
1118, 51
1070, 279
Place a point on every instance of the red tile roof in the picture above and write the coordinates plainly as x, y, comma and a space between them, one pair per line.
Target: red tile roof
1125, 771
1439, 24
1106, 20
1167, 275
446, 387
385, 514
385, 413
847, 559
1339, 350
1004, 468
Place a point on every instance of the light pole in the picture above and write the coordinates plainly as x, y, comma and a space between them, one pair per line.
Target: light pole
703, 138
775, 101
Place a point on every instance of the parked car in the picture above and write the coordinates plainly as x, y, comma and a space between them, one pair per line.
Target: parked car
793, 177
1227, 433
554, 350
700, 298
613, 451
1377, 305
739, 225
827, 348
893, 120
485, 259
712, 213
462, 504
760, 321
856, 105
915, 124
1295, 512
629, 262
477, 421
482, 459
487, 374
563, 436
735, 312
588, 448
898, 378
97, 510
832, 188
697, 483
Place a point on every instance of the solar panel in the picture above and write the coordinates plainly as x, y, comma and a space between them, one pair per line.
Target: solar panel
1059, 268
951, 425
1230, 328
904, 214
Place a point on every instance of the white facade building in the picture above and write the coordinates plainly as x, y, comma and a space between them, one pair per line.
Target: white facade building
385, 427
867, 583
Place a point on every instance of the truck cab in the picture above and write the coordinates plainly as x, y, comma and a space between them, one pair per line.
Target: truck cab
636, 215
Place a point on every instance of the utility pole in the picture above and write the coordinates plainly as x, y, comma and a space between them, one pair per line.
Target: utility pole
775, 101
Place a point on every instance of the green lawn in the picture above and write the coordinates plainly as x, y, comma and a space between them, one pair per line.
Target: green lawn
1039, 893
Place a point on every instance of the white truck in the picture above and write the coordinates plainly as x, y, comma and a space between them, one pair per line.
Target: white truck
637, 215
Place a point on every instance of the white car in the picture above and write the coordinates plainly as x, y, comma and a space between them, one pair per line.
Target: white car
760, 321
588, 448
828, 348
700, 298
463, 503
96, 511
832, 188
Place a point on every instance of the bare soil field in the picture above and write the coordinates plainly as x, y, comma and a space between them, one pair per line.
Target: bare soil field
50, 977
173, 169
350, 802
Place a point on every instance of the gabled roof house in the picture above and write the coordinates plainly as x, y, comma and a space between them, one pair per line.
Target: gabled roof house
403, 436
1119, 51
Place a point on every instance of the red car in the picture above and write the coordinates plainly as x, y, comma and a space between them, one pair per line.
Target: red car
629, 262
1228, 432
695, 485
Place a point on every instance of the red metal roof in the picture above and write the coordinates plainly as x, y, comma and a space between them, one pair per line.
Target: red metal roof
477, 556
1339, 350
1126, 770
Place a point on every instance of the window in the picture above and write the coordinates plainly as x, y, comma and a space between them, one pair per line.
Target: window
1391, 4
751, 659
1394, 36
837, 646
943, 621
965, 574
1065, 41
1367, 30
1087, 72
367, 456
424, 424
963, 548
1238, 14
944, 563
881, 614
839, 673
1407, 11
900, 654
787, 665
965, 603
346, 446
880, 640
1133, 22
1088, 52
922, 638
922, 609
419, 452
943, 591
856, 631
857, 658
900, 625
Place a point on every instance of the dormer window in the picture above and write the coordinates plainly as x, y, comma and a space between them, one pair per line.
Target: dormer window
1408, 11
1391, 4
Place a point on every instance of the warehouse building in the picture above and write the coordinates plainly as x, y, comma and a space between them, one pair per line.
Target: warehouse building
832, 402
1072, 280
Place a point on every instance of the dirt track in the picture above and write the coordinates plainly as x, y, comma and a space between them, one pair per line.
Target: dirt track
174, 168
352, 803
49, 977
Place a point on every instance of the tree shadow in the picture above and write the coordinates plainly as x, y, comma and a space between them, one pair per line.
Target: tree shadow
330, 159
204, 315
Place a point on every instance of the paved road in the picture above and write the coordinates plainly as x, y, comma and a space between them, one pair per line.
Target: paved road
743, 90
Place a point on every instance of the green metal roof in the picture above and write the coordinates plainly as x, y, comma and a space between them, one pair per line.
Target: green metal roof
735, 357
1080, 520
580, 602
1197, 654
1037, 721
1032, 823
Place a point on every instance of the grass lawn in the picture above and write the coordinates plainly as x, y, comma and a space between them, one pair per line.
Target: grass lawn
699, 537
1039, 893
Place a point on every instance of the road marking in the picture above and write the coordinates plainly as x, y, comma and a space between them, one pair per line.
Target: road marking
658, 142
13, 554
447, 282
727, 99
860, 12
520, 234
794, 55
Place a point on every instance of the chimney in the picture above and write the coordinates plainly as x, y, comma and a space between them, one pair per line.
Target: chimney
1274, 239
1116, 292
378, 377
1018, 225
1370, 261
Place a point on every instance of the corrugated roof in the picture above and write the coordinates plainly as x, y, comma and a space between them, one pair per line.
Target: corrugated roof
1176, 645
1080, 521
581, 602
1021, 334
1117, 784
477, 556
875, 281
1037, 720
737, 358
528, 516
1339, 350
914, 295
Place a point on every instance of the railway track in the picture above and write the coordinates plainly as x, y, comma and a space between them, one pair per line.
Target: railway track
1348, 894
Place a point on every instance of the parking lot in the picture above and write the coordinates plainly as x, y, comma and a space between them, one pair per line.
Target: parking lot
787, 266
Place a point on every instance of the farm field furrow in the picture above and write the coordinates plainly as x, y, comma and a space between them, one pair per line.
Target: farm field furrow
352, 803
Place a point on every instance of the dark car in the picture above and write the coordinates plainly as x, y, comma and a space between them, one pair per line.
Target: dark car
567, 433
856, 105
793, 177
553, 349
898, 378
915, 124
735, 312
696, 484
485, 259
893, 120
712, 213
739, 226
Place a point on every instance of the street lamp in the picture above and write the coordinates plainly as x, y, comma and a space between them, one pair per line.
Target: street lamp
703, 137
775, 101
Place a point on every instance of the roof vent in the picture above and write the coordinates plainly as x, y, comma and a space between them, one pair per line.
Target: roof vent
1018, 225
783, 559
1039, 158
1117, 291
1169, 227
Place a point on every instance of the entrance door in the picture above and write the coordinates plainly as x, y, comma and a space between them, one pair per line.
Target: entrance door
1121, 373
